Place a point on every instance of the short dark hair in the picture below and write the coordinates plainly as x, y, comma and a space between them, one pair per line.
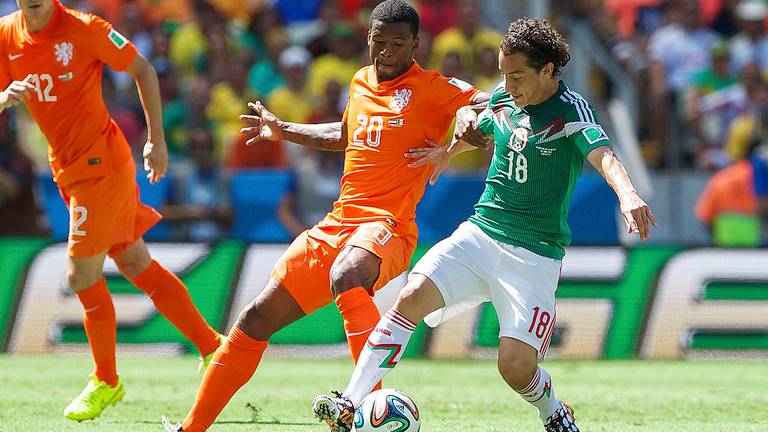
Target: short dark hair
395, 11
539, 41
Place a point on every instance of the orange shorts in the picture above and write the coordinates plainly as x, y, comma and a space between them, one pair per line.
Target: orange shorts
105, 213
304, 268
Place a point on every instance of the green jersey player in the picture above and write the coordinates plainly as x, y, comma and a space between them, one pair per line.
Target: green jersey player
509, 252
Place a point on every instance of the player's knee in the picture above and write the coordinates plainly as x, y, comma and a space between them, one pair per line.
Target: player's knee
413, 303
255, 323
79, 280
132, 266
517, 370
344, 279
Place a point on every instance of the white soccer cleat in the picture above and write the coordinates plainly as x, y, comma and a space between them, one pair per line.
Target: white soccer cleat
169, 427
337, 412
561, 420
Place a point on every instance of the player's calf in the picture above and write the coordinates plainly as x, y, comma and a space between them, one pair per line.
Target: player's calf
336, 411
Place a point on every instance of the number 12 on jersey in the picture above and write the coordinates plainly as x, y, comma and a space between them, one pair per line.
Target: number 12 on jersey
43, 94
373, 136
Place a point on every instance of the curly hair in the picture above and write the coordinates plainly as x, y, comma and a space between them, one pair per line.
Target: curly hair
395, 11
539, 41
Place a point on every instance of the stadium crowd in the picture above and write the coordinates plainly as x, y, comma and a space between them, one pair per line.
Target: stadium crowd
699, 67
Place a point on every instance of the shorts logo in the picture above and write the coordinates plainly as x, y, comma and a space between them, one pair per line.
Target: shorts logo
400, 99
382, 235
63, 51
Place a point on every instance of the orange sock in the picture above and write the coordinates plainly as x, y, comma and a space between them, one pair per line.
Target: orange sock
360, 317
233, 364
172, 300
101, 329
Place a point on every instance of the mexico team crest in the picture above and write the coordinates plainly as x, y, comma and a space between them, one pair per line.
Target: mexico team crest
63, 51
400, 99
518, 139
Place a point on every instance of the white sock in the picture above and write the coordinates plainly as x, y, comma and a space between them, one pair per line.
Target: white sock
540, 394
380, 355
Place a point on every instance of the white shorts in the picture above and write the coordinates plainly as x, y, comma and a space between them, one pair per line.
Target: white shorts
470, 268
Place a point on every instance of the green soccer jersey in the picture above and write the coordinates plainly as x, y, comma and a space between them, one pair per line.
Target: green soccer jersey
539, 154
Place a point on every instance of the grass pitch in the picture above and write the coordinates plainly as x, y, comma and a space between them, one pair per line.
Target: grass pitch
623, 396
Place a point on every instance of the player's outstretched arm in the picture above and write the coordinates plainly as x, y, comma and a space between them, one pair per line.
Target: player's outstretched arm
155, 150
263, 125
15, 93
637, 215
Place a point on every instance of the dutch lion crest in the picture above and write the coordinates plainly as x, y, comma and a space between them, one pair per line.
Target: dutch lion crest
400, 99
63, 52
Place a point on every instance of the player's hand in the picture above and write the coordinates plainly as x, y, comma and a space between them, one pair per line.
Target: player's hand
466, 129
637, 215
16, 92
263, 125
155, 161
434, 154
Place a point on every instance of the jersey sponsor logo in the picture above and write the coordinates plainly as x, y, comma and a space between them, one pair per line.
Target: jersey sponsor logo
594, 134
64, 52
117, 39
13, 57
518, 139
400, 99
463, 85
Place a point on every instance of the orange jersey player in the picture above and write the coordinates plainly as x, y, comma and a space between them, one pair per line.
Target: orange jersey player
369, 236
51, 59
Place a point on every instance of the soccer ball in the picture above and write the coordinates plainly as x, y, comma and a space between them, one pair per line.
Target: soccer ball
387, 410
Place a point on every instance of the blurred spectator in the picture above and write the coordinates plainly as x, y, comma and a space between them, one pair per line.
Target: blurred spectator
18, 207
452, 66
745, 109
190, 42
297, 11
340, 64
229, 99
467, 38
706, 104
487, 73
314, 186
751, 44
189, 113
725, 22
436, 16
728, 204
263, 77
198, 202
677, 52
293, 102
332, 105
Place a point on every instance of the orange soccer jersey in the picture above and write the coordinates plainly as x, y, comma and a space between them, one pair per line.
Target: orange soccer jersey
64, 62
384, 120
89, 156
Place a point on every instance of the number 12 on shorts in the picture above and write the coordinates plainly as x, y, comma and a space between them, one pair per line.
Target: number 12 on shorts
540, 322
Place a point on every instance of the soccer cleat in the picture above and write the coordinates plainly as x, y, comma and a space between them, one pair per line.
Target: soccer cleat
561, 420
96, 396
337, 412
205, 361
169, 427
